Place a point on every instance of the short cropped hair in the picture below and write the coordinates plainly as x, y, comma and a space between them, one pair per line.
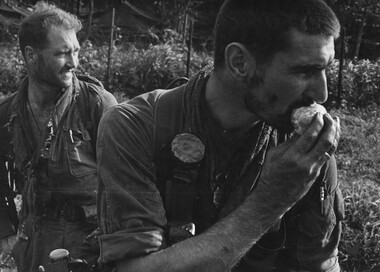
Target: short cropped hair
263, 25
34, 28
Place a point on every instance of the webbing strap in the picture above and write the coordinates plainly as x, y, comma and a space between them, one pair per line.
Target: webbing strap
85, 110
178, 196
168, 117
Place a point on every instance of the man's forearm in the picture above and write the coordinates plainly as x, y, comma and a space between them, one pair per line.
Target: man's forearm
221, 246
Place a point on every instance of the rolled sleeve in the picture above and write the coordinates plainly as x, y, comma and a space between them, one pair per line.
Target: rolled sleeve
132, 214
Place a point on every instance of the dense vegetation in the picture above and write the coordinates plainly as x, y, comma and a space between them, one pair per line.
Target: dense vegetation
140, 69
135, 70
359, 172
360, 19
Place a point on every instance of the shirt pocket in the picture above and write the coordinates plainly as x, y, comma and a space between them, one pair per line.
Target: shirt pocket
80, 154
316, 218
319, 233
319, 219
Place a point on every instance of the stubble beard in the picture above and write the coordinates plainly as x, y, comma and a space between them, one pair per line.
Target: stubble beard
55, 80
260, 107
280, 122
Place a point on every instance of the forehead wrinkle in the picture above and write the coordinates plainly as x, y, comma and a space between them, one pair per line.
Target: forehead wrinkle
68, 40
312, 56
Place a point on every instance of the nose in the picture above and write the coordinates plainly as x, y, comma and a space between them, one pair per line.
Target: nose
317, 88
72, 60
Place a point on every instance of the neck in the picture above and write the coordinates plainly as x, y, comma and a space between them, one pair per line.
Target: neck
226, 101
41, 95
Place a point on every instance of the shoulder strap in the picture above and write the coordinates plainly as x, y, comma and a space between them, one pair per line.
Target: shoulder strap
168, 117
84, 104
178, 195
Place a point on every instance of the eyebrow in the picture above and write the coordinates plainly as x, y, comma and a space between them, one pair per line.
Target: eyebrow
307, 67
301, 67
66, 48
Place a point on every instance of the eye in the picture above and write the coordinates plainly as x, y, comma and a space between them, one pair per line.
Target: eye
311, 71
308, 73
76, 51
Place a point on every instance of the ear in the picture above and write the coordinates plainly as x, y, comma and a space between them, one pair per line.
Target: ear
239, 61
30, 54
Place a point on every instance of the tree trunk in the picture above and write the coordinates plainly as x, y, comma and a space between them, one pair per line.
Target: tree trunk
359, 37
110, 45
90, 20
340, 72
78, 7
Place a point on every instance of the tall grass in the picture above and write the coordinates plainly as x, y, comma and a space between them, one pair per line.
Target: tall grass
358, 158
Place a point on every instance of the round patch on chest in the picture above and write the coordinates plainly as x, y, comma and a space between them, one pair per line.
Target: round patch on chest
188, 148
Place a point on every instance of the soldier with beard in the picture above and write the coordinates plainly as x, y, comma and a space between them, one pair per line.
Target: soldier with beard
208, 176
48, 135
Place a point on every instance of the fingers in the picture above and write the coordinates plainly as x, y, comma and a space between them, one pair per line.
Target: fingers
321, 138
337, 136
327, 141
334, 146
329, 138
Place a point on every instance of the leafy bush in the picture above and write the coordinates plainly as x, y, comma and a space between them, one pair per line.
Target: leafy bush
11, 68
133, 70
139, 70
361, 84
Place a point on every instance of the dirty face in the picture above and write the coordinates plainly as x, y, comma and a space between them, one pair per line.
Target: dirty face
57, 61
294, 77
